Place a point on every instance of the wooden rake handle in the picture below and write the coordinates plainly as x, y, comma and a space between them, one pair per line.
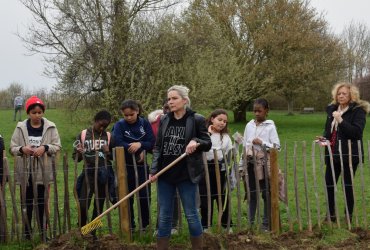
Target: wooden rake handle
141, 186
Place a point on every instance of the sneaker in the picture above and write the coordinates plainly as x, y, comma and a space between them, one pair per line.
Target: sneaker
174, 231
230, 231
206, 230
265, 228
333, 219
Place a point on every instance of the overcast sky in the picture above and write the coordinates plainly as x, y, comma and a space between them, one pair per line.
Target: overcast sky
17, 66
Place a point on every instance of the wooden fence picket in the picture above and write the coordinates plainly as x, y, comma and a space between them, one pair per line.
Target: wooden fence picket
286, 187
352, 177
361, 165
313, 158
344, 187
218, 184
137, 196
308, 208
297, 206
334, 185
15, 217
208, 188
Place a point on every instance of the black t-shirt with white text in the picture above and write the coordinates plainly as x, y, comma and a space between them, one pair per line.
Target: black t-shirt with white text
34, 134
173, 147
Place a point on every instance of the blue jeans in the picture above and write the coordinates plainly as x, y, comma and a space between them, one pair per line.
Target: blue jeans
187, 191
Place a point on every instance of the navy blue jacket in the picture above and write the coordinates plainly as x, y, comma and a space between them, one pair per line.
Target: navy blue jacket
140, 131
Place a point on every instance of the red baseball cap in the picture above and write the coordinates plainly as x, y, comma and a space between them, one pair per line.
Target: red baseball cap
34, 100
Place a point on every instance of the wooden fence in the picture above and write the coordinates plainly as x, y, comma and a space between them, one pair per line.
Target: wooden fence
302, 165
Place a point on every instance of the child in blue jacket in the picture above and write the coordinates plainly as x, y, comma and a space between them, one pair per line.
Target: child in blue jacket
135, 134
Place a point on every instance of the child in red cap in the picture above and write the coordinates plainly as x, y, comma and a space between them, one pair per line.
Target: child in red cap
33, 143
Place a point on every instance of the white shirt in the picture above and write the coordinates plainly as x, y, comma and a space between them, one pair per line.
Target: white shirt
18, 101
265, 131
220, 145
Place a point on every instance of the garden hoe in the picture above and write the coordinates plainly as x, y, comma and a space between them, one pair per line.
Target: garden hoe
96, 223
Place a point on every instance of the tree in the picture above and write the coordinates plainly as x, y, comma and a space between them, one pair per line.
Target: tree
91, 46
252, 47
356, 40
229, 67
15, 89
302, 55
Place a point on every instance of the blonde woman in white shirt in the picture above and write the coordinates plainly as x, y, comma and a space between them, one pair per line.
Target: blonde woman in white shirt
258, 133
217, 128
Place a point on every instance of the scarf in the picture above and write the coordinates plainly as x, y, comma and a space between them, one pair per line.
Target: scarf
334, 123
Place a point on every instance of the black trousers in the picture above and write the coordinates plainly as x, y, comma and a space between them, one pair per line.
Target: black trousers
254, 196
85, 198
214, 196
40, 203
144, 193
347, 183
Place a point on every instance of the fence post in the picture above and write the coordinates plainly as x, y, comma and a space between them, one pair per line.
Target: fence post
12, 195
206, 176
344, 187
334, 183
124, 212
305, 186
67, 211
286, 186
298, 209
137, 196
274, 185
362, 183
56, 198
218, 182
315, 184
107, 195
3, 210
235, 159
352, 177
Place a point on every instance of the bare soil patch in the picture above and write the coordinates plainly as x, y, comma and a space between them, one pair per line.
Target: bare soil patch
358, 239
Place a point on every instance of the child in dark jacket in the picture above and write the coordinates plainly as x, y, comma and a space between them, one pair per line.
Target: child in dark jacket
90, 141
135, 134
2, 148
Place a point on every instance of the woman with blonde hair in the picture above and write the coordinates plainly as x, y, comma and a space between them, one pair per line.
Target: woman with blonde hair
180, 131
346, 119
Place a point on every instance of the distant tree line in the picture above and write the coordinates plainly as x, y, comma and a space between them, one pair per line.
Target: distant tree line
228, 52
51, 98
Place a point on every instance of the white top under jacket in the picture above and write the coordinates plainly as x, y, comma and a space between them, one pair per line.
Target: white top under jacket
266, 132
225, 144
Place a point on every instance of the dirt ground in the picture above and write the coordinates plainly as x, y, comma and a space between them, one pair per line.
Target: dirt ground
357, 239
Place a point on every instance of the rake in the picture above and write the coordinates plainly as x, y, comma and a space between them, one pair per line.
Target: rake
97, 223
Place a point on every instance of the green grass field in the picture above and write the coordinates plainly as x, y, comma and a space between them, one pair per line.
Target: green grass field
292, 130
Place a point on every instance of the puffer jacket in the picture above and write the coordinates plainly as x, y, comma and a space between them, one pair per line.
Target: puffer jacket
195, 130
22, 169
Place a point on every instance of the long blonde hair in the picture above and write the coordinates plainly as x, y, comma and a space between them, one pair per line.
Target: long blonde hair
354, 95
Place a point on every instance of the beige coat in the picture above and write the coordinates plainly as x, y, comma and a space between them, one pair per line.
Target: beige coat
260, 160
22, 168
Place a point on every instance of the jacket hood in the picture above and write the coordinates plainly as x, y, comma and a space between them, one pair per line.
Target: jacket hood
188, 112
353, 105
364, 105
23, 124
153, 116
